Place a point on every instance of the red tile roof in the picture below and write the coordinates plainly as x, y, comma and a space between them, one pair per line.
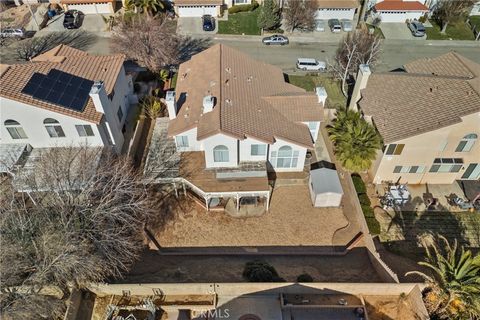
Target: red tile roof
394, 5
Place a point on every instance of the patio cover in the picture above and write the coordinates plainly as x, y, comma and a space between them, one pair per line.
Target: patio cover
325, 188
10, 155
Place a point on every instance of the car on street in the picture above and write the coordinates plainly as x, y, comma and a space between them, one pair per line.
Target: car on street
417, 28
334, 25
71, 19
309, 64
320, 25
18, 33
275, 39
208, 22
347, 25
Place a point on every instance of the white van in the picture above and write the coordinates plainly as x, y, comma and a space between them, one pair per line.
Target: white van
308, 64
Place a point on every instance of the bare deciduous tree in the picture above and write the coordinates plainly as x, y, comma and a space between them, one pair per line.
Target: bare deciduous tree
82, 222
150, 41
357, 47
448, 11
300, 15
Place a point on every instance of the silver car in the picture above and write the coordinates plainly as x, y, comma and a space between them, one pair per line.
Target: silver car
347, 25
320, 25
275, 39
13, 33
417, 28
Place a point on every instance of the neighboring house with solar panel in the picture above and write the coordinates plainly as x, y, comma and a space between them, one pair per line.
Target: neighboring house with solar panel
232, 120
65, 97
429, 118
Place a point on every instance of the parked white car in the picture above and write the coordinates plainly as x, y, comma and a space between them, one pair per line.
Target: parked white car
320, 25
308, 64
347, 25
13, 33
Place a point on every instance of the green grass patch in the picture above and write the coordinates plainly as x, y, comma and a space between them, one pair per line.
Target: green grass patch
455, 31
365, 203
373, 225
359, 184
240, 23
335, 97
475, 21
173, 84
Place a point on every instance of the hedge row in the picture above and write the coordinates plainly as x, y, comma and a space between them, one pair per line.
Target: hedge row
243, 7
360, 187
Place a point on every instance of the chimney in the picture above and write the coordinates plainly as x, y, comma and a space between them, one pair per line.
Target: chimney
361, 83
99, 96
208, 103
171, 104
321, 94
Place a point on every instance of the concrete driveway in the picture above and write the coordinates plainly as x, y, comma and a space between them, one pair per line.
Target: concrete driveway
90, 22
193, 25
398, 31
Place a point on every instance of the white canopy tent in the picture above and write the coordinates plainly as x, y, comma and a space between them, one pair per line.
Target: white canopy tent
325, 188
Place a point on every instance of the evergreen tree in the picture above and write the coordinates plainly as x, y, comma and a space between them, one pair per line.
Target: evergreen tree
269, 17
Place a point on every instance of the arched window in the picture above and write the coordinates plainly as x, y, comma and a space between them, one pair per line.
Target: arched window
14, 129
286, 157
466, 143
220, 154
54, 128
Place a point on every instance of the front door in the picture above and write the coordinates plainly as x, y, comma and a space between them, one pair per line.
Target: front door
472, 172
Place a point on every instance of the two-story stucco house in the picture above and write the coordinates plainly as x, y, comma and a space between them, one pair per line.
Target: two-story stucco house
429, 118
65, 97
233, 118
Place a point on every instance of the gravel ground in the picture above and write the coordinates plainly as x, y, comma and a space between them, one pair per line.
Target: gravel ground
291, 221
157, 268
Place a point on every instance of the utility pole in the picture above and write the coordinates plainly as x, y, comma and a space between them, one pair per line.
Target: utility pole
33, 16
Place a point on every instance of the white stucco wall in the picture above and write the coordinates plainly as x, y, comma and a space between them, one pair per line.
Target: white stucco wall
302, 151
221, 139
245, 150
313, 133
193, 144
31, 120
331, 13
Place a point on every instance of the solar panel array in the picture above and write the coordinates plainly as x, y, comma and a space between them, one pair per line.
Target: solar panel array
60, 88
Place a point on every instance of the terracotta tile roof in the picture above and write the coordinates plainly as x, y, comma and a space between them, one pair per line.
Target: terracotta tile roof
389, 5
343, 4
245, 104
198, 2
406, 104
73, 61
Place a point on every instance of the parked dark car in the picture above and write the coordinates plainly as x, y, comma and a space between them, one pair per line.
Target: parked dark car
417, 28
334, 25
275, 39
71, 19
208, 22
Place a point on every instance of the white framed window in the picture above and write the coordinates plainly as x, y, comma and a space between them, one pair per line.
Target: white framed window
258, 149
84, 130
220, 154
466, 143
182, 141
241, 1
284, 158
14, 129
443, 165
54, 128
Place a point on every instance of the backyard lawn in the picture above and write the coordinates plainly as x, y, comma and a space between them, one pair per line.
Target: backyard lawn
335, 97
458, 31
240, 23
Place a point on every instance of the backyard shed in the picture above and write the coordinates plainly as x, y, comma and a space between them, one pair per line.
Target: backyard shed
325, 187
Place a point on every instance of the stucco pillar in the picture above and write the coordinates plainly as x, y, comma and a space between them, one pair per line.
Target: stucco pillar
238, 202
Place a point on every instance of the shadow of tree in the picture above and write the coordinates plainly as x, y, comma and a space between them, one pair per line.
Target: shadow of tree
30, 48
188, 46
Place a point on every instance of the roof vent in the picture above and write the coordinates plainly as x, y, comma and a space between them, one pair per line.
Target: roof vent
226, 82
208, 103
228, 69
249, 79
228, 101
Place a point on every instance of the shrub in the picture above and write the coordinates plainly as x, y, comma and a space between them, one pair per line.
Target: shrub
359, 184
422, 19
373, 225
364, 200
367, 211
260, 271
243, 7
304, 277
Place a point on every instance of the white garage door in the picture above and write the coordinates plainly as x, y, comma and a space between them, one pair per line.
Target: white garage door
400, 16
91, 8
196, 11
326, 14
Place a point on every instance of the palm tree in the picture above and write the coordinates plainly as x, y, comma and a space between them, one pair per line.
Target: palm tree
453, 289
356, 141
150, 7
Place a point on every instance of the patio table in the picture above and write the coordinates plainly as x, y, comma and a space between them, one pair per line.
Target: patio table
400, 195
